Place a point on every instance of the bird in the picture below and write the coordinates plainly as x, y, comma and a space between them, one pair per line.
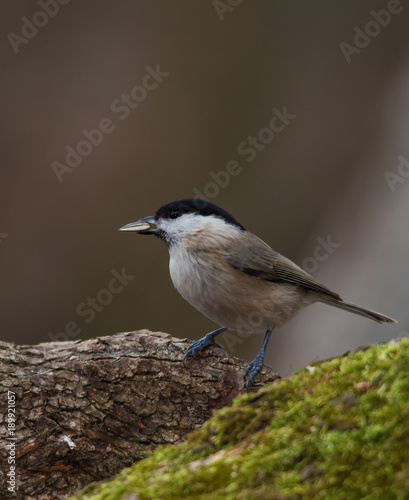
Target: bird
233, 277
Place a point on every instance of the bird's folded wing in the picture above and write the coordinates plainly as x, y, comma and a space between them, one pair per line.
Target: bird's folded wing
259, 260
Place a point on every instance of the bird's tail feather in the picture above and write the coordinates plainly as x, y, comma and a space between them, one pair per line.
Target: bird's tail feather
348, 306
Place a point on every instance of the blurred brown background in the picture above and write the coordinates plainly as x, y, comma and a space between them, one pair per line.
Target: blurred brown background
322, 178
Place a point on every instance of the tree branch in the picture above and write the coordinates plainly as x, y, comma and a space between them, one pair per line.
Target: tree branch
84, 410
337, 429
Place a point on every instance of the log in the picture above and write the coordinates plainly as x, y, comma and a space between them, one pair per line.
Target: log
337, 429
83, 410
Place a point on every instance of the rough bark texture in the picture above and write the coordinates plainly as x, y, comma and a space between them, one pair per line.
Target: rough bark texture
84, 410
336, 430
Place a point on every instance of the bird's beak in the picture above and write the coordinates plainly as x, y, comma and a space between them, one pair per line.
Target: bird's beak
147, 225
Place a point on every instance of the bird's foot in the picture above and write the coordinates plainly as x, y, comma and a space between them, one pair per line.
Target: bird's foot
253, 368
199, 345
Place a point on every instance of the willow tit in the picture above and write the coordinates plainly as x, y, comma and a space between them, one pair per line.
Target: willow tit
233, 277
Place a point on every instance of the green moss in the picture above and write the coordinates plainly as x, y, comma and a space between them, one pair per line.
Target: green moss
337, 430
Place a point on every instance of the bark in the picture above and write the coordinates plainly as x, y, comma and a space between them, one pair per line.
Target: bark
335, 430
84, 410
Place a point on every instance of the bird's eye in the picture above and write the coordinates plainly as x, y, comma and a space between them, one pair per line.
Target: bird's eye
174, 214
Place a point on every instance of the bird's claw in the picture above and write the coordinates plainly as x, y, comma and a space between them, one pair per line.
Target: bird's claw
198, 346
253, 369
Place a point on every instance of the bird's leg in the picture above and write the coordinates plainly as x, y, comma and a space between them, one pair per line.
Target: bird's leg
200, 344
255, 366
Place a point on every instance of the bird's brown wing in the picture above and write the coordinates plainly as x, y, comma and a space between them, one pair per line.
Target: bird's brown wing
256, 258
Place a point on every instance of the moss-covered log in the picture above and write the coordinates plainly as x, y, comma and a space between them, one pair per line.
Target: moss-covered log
336, 430
76, 412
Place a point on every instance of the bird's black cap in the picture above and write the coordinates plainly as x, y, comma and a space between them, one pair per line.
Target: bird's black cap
195, 205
